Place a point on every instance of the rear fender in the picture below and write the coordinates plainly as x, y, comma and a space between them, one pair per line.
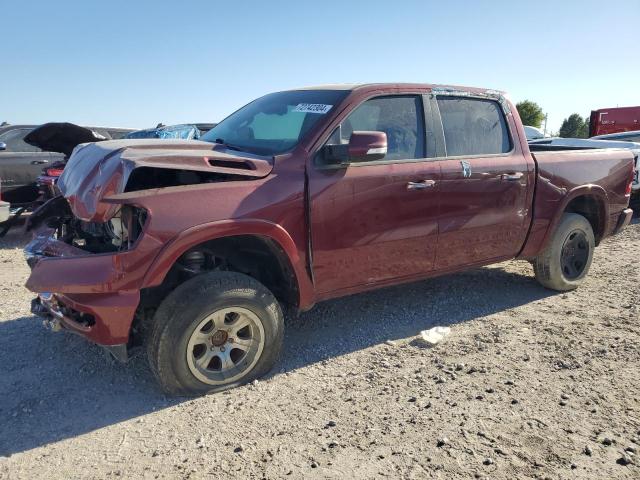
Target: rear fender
595, 191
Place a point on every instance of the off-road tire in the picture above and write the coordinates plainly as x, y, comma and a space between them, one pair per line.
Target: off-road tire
548, 265
183, 309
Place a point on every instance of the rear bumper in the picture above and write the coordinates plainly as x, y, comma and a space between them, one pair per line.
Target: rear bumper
623, 220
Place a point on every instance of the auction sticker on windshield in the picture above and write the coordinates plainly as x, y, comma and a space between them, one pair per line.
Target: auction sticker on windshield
312, 108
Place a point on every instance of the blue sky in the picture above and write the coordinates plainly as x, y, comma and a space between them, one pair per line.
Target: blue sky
136, 63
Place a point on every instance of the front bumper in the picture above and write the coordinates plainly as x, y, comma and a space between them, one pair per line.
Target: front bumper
104, 319
94, 295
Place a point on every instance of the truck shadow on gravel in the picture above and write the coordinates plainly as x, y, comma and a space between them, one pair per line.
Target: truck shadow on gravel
57, 386
16, 237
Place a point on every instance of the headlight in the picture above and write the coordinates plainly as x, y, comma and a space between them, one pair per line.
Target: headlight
127, 225
117, 229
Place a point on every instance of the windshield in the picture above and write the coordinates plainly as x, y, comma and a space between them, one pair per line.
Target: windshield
275, 123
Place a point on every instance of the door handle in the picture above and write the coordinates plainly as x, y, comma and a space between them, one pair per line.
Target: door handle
512, 176
39, 162
421, 185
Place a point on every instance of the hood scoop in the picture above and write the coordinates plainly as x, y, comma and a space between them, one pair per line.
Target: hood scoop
240, 164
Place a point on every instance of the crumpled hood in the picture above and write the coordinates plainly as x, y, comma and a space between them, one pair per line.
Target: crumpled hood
61, 137
98, 170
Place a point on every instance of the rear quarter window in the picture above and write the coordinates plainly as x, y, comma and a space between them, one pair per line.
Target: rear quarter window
473, 126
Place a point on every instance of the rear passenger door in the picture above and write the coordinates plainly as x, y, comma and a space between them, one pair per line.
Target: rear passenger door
376, 221
486, 181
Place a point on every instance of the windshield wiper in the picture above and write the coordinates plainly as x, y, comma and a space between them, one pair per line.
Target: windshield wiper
221, 141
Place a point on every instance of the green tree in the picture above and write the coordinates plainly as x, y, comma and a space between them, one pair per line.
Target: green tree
584, 132
575, 127
530, 113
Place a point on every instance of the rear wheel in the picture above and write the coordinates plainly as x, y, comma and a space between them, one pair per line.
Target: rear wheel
565, 262
214, 332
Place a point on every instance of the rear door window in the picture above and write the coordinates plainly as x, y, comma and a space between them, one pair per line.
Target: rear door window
473, 126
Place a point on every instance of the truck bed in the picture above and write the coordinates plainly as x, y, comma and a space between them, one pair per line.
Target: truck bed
566, 174
570, 167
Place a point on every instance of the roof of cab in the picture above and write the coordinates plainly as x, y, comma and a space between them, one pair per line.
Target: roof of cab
357, 86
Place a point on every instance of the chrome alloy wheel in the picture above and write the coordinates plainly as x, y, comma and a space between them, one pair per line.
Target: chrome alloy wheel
225, 345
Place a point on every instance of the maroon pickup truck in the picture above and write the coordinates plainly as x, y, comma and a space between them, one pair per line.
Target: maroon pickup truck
197, 249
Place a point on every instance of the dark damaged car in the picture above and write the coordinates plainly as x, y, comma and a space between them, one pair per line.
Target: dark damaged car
25, 150
196, 250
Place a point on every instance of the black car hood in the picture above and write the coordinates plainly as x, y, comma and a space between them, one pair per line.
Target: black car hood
61, 137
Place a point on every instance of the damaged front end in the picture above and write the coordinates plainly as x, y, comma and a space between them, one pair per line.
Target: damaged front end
84, 263
59, 233
93, 245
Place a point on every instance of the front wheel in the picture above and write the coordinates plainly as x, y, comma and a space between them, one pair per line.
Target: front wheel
565, 262
215, 332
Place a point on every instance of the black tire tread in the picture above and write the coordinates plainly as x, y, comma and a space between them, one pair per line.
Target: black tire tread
159, 341
545, 265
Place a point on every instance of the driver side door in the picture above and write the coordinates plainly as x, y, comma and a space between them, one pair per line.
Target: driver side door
376, 221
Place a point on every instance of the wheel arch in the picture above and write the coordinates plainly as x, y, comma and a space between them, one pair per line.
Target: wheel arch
590, 201
258, 239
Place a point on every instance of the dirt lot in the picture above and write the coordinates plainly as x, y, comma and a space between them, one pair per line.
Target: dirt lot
530, 384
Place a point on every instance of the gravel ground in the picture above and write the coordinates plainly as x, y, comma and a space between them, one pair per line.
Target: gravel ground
529, 384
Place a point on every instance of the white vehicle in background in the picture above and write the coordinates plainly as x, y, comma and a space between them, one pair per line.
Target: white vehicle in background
4, 208
612, 140
533, 133
633, 136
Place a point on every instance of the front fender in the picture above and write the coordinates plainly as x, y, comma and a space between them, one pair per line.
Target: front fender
227, 228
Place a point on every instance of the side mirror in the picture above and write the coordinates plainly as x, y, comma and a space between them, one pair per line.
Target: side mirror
367, 146
362, 147
3, 146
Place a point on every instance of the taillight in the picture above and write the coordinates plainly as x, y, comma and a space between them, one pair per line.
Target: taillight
47, 180
633, 176
54, 172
